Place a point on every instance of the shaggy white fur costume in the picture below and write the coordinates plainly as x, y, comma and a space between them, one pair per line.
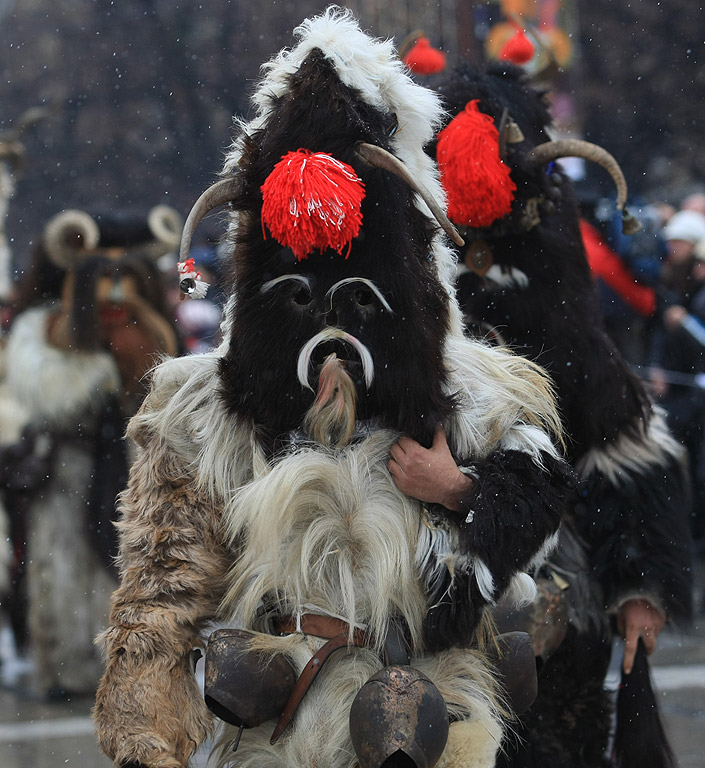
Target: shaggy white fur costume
211, 529
206, 521
61, 393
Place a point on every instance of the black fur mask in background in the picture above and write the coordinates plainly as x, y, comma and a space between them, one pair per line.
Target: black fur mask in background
503, 87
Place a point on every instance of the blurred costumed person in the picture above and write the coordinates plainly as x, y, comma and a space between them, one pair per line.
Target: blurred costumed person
12, 154
272, 489
623, 562
90, 322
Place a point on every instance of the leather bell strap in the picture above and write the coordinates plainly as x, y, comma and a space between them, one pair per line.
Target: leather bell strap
321, 626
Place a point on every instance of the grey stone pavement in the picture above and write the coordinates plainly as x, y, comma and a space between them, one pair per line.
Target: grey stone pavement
36, 734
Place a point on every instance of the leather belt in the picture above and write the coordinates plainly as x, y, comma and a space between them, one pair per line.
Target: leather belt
327, 627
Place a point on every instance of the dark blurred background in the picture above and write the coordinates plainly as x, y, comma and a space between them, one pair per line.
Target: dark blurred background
141, 93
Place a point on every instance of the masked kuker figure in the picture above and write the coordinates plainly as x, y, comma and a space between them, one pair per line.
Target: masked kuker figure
623, 564
73, 367
264, 496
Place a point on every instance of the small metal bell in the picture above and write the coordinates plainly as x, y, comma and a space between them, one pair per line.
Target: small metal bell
187, 285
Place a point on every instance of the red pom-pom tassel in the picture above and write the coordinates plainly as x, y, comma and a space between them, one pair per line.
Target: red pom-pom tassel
518, 49
311, 201
423, 59
478, 184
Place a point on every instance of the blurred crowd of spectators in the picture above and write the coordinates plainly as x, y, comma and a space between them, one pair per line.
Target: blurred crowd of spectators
652, 290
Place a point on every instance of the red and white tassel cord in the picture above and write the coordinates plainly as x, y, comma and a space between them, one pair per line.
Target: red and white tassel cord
190, 282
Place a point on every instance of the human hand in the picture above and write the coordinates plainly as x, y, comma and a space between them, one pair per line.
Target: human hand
638, 619
657, 381
674, 316
428, 474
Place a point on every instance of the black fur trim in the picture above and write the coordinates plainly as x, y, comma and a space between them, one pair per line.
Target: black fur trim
638, 536
516, 506
455, 610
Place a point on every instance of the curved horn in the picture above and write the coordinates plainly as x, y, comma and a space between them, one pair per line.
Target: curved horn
165, 223
408, 42
221, 192
380, 158
502, 130
553, 150
11, 147
68, 236
31, 117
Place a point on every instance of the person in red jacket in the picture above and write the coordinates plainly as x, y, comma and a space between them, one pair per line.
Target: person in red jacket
607, 265
627, 302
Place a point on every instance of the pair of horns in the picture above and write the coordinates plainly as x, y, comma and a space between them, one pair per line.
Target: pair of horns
554, 150
226, 190
72, 234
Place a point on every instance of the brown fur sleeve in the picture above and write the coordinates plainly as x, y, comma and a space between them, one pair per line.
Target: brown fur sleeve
149, 709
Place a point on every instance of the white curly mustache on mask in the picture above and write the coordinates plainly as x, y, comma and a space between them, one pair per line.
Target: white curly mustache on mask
332, 334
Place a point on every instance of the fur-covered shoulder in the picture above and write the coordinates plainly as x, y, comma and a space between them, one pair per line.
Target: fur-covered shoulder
185, 415
505, 401
650, 445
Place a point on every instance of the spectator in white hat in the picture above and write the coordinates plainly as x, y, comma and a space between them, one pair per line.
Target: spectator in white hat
677, 361
682, 232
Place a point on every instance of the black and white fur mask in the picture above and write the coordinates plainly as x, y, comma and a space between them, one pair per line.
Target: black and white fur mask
358, 336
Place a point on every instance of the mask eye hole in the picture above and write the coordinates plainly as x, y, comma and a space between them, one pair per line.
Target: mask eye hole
302, 296
394, 127
363, 296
